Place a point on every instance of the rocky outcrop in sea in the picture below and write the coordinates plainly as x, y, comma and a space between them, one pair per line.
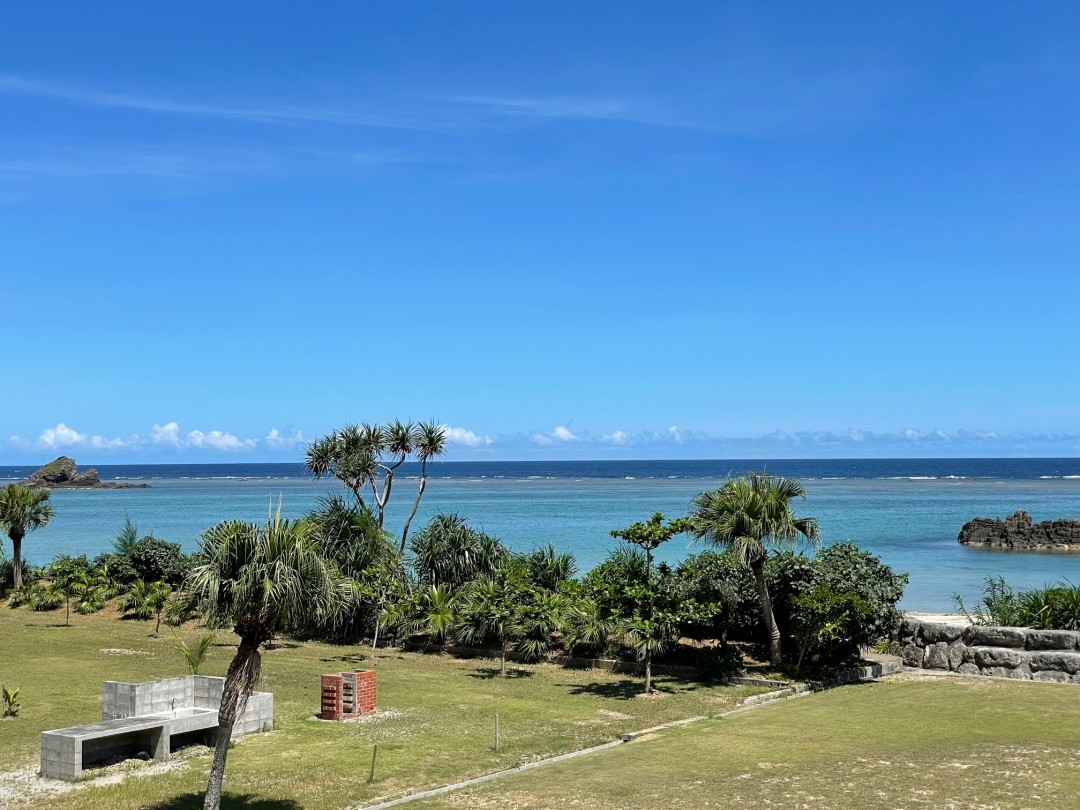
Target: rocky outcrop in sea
63, 473
1019, 533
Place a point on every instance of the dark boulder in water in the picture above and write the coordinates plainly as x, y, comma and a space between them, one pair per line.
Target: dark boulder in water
1018, 532
63, 473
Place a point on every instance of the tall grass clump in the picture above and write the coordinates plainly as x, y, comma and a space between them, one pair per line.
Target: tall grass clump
1052, 607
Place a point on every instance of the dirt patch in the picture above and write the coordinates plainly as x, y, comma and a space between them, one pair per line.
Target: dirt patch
122, 651
24, 786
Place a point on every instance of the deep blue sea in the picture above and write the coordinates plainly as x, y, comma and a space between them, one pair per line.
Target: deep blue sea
907, 511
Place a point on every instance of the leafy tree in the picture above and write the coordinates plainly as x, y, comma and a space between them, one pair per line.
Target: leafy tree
260, 580
749, 515
616, 584
723, 592
826, 622
147, 600
652, 632
22, 510
365, 456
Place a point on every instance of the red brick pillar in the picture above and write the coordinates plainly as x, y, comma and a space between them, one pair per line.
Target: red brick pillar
331, 697
365, 691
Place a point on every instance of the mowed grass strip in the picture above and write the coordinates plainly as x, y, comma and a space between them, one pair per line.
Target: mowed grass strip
436, 721
894, 744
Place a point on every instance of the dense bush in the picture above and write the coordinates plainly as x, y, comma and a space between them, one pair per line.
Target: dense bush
841, 585
722, 590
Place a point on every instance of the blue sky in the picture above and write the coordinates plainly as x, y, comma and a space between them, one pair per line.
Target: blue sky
608, 231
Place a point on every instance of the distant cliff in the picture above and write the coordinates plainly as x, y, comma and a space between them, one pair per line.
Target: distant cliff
64, 474
1018, 532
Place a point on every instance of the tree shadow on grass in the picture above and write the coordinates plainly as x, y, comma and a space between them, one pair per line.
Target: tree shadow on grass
624, 689
629, 687
512, 673
194, 801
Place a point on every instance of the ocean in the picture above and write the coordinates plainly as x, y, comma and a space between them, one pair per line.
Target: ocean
907, 511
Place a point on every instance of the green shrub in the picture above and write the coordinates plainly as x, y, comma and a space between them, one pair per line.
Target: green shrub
1053, 607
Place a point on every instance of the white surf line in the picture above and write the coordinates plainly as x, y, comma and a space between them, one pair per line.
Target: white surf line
775, 697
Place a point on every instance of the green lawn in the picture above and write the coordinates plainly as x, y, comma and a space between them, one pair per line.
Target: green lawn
896, 744
439, 725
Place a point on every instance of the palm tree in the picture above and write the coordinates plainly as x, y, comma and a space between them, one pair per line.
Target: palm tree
259, 579
147, 600
429, 441
749, 515
22, 510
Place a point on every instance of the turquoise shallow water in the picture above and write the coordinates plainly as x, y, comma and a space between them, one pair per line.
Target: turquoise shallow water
910, 521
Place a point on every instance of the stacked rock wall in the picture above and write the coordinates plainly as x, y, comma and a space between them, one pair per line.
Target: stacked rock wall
997, 652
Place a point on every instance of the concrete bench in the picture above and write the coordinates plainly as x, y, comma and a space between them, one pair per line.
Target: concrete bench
147, 718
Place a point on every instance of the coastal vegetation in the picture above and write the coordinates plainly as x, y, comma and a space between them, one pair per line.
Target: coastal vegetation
1053, 607
366, 456
459, 585
750, 515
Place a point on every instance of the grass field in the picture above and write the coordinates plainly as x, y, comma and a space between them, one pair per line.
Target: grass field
965, 744
436, 725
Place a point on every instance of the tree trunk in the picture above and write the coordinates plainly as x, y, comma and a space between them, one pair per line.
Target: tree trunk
767, 612
67, 611
157, 627
416, 504
212, 801
375, 640
241, 678
16, 558
648, 672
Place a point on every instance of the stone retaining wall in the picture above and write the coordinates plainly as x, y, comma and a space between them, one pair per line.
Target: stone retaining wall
997, 652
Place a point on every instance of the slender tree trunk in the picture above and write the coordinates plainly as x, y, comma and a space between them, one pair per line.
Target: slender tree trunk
67, 611
241, 678
648, 672
502, 659
767, 612
416, 503
212, 801
16, 558
157, 627
375, 640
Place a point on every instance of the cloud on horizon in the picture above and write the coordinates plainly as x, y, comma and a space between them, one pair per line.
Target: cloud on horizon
169, 439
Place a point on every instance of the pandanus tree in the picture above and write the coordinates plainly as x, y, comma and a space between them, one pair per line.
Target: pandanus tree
259, 579
22, 510
366, 456
430, 442
750, 515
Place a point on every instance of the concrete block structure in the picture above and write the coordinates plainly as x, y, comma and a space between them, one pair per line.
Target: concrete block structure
347, 695
148, 719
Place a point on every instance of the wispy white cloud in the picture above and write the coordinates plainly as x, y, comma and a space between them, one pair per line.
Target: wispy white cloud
279, 113
277, 440
465, 437
560, 434
162, 163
